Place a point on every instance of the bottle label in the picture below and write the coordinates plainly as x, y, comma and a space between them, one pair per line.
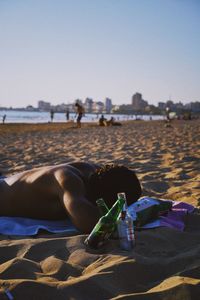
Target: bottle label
100, 234
130, 233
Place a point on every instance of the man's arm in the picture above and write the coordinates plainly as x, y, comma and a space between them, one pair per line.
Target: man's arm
83, 214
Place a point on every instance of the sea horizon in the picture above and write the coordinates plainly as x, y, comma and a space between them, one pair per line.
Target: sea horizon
21, 116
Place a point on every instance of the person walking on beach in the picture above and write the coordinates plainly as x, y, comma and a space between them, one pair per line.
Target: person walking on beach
67, 114
52, 115
3, 118
67, 191
168, 114
80, 112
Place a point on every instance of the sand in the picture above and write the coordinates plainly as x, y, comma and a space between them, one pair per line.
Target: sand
165, 263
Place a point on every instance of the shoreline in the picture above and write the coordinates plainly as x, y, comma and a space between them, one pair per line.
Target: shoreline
96, 123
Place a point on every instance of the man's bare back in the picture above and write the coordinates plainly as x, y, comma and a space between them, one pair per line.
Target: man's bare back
52, 193
66, 191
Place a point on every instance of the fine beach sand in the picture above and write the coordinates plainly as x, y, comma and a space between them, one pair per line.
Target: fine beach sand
165, 263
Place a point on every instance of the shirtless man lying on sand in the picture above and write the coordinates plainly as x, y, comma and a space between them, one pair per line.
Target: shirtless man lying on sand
55, 192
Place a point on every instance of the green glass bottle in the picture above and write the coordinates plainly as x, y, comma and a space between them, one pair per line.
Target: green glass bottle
103, 208
105, 226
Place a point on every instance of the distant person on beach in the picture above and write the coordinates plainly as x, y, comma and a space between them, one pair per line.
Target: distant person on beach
168, 114
52, 115
112, 122
168, 111
102, 121
4, 118
80, 112
66, 191
67, 115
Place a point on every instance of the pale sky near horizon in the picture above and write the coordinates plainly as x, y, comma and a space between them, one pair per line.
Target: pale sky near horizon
61, 50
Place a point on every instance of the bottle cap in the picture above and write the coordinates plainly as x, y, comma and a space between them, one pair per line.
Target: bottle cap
100, 200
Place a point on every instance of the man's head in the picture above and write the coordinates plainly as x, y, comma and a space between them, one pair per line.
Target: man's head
109, 180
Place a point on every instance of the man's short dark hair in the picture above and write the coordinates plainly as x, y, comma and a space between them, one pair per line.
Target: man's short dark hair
109, 180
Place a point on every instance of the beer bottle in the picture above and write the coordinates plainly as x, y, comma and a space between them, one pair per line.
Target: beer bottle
103, 208
105, 226
125, 228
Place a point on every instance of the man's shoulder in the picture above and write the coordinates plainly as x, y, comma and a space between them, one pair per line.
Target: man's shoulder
76, 169
85, 166
69, 178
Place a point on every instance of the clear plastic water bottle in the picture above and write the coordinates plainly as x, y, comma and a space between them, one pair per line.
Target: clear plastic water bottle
125, 228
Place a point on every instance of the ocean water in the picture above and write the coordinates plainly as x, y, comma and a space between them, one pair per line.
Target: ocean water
16, 116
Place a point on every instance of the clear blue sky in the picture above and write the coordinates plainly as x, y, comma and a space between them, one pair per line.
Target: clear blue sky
62, 50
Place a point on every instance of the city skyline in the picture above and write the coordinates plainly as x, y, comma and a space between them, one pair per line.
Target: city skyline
66, 50
138, 105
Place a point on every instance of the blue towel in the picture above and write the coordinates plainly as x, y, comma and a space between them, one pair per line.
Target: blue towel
26, 226
2, 178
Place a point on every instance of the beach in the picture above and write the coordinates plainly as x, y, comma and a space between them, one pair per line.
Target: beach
164, 264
